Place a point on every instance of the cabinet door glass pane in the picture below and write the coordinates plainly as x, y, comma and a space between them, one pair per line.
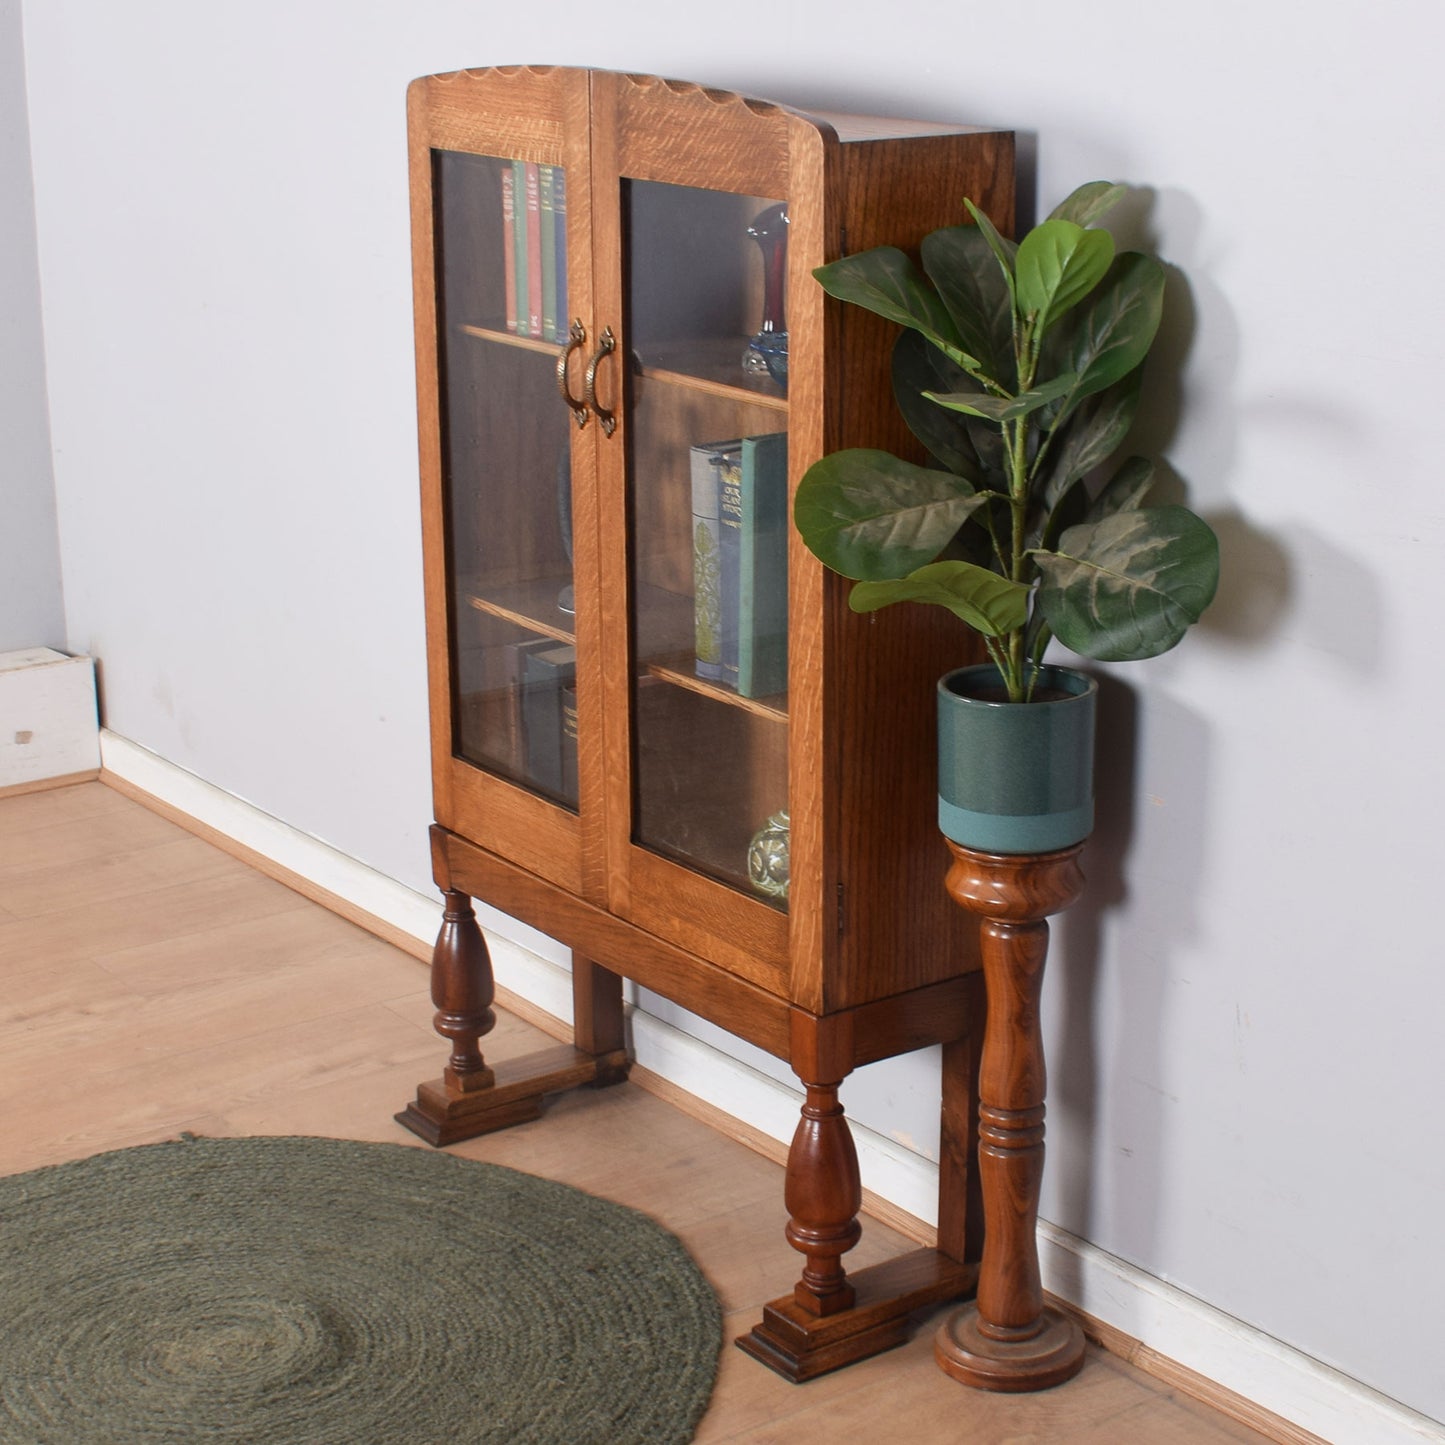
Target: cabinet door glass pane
707, 473
501, 280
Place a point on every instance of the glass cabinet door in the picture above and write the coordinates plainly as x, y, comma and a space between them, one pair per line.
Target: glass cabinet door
501, 270
707, 470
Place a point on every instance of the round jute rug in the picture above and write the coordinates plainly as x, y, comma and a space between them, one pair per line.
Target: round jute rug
320, 1292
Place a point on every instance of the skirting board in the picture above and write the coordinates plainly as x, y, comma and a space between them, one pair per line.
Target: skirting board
1202, 1351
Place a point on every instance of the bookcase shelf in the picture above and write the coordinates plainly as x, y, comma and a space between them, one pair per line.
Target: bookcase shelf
712, 367
679, 673
508, 338
674, 788
531, 604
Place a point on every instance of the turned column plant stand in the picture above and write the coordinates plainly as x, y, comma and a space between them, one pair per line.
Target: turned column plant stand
1008, 1339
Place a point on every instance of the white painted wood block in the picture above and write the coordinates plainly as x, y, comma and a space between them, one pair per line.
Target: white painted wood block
48, 722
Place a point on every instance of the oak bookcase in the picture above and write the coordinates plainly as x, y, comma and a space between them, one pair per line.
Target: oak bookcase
587, 780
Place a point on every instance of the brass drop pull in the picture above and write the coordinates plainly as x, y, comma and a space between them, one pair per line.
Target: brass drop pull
576, 340
605, 347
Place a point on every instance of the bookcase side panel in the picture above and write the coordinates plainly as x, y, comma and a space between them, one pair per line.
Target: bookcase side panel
900, 930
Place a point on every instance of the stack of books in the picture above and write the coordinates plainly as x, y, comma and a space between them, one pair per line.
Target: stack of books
740, 563
534, 245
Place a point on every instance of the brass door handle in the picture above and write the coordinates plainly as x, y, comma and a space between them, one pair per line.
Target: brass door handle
605, 346
576, 340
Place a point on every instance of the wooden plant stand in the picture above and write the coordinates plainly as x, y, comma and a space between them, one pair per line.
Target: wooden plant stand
1007, 1339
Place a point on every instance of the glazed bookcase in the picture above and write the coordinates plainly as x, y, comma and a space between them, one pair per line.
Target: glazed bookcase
589, 778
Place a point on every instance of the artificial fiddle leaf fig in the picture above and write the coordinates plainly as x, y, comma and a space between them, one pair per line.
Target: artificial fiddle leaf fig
1124, 491
1019, 371
1112, 332
1089, 203
887, 282
960, 263
919, 368
1058, 264
989, 603
1006, 408
871, 516
1130, 586
1092, 433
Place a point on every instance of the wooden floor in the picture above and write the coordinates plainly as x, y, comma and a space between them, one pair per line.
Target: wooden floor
150, 984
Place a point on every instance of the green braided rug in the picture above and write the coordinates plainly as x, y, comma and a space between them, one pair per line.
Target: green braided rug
319, 1292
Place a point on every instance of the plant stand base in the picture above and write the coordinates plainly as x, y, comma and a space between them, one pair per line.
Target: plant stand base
1050, 1357
801, 1346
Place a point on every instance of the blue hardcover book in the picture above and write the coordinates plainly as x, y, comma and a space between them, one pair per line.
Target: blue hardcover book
763, 567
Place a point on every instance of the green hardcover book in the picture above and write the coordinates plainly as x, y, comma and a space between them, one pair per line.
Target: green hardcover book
763, 567
716, 528
548, 251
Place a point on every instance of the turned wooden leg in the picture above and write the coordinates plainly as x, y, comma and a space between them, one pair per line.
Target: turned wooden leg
462, 990
831, 1318
471, 1098
823, 1194
1008, 1339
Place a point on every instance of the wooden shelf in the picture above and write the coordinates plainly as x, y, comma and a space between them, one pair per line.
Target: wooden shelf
713, 367
510, 338
678, 671
531, 604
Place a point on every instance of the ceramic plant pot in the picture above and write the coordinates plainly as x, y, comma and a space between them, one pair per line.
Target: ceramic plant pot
1016, 777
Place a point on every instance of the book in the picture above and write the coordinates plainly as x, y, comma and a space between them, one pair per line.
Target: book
545, 672
548, 251
740, 563
519, 243
514, 680
534, 249
763, 567
714, 565
509, 240
559, 248
569, 742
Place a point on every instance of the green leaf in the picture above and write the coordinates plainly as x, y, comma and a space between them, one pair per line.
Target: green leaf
1092, 200
1111, 334
1004, 251
886, 282
1068, 510
989, 603
1004, 408
1086, 439
1130, 586
961, 264
1058, 264
919, 367
870, 515
1125, 490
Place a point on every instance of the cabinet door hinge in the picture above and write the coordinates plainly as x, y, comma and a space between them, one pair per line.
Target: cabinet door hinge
842, 914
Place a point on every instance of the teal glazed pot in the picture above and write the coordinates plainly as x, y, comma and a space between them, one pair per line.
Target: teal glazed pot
1016, 777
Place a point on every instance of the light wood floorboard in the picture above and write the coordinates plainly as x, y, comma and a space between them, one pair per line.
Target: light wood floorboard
151, 984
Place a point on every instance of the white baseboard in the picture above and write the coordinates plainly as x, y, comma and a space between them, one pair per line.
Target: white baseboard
1167, 1321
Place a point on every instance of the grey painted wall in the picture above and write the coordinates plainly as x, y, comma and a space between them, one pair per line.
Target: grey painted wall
1244, 1011
31, 611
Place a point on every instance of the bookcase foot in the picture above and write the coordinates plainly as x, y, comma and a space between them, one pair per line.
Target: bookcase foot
443, 1113
800, 1345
